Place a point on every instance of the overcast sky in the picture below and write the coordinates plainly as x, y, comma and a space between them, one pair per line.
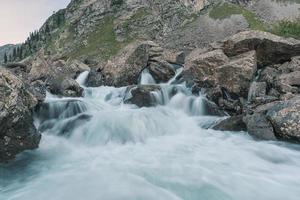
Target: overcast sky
19, 17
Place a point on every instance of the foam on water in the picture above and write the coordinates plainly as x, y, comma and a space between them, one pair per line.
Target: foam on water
96, 147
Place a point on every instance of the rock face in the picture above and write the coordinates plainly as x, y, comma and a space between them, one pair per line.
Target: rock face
17, 132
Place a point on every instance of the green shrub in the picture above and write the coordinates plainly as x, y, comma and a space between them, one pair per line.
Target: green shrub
287, 28
117, 2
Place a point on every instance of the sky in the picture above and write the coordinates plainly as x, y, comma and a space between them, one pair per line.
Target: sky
20, 17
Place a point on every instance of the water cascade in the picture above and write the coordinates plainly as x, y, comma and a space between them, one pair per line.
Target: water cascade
97, 147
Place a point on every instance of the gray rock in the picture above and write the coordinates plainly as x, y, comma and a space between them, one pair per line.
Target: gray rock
285, 118
270, 49
257, 89
17, 131
234, 123
95, 78
259, 126
141, 95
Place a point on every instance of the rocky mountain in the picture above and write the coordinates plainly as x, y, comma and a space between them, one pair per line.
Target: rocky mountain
98, 29
225, 50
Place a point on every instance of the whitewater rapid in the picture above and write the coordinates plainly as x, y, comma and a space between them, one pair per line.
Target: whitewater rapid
98, 148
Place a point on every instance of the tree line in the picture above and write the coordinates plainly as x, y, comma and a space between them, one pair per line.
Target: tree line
36, 39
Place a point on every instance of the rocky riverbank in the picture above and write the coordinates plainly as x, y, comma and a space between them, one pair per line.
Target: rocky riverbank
253, 76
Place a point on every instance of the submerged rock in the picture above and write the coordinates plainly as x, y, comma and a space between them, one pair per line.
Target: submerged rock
17, 131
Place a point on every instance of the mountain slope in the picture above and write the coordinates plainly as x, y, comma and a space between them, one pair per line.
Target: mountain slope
97, 29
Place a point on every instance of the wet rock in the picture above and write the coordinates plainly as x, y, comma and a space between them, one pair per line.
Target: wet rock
270, 49
234, 123
17, 131
95, 78
141, 95
212, 109
259, 126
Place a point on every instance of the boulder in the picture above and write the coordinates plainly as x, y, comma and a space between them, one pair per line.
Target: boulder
141, 95
65, 87
285, 118
236, 76
125, 68
271, 49
289, 82
257, 89
56, 75
17, 131
177, 58
259, 126
161, 71
200, 66
95, 78
234, 123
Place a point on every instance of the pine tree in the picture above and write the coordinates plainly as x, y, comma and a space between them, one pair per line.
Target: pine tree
20, 52
47, 29
5, 57
14, 53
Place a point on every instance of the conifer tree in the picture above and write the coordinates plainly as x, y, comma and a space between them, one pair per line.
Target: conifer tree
5, 57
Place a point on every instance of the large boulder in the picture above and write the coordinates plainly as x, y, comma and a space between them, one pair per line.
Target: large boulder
224, 80
200, 66
259, 126
161, 71
236, 76
17, 131
271, 49
285, 118
57, 75
141, 95
125, 68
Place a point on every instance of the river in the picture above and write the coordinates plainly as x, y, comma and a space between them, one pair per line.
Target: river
98, 148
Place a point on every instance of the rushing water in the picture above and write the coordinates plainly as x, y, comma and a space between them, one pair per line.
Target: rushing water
97, 148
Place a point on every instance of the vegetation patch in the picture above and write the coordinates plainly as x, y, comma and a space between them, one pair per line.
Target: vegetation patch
225, 10
287, 28
100, 43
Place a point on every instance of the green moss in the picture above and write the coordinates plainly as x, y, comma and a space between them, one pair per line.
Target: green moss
225, 10
287, 28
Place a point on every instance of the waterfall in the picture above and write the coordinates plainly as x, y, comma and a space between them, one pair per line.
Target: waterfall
146, 78
96, 147
82, 78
